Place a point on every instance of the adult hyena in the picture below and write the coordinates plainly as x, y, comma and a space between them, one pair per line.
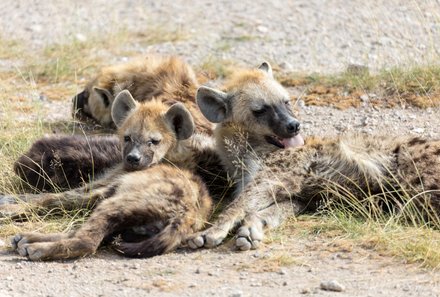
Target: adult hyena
277, 176
167, 198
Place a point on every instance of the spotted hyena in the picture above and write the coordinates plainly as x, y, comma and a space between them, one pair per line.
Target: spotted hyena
164, 198
277, 175
167, 79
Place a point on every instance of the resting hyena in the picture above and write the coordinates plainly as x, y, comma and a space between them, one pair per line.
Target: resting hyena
171, 201
168, 79
277, 176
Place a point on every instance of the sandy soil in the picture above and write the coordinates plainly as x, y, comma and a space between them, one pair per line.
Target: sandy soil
305, 36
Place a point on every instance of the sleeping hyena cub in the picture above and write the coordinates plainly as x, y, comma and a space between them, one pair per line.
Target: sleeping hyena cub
171, 202
260, 145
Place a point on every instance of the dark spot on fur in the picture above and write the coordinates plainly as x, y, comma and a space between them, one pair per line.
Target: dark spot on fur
416, 181
416, 141
110, 191
437, 152
177, 192
396, 150
433, 187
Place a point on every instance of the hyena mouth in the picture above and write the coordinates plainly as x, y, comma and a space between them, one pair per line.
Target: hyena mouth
294, 141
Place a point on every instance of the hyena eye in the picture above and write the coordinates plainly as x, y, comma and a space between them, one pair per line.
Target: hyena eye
261, 111
127, 138
287, 102
155, 141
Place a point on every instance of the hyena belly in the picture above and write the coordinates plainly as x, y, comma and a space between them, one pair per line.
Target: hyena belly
57, 163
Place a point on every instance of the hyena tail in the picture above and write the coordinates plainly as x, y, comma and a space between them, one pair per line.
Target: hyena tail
167, 240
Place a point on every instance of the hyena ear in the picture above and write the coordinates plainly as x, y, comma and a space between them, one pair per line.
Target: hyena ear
124, 103
213, 104
180, 120
80, 99
105, 95
265, 66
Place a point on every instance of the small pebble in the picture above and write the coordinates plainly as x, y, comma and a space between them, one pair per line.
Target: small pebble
237, 294
332, 285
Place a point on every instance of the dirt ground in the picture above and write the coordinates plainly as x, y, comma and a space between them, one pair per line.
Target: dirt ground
301, 35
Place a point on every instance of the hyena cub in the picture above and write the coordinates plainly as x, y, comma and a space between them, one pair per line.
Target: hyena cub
278, 176
168, 79
171, 202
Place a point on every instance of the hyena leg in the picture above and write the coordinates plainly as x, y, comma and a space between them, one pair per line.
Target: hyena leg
22, 206
258, 195
251, 232
105, 220
20, 239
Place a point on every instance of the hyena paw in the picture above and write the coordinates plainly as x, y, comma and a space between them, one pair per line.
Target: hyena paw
196, 241
16, 240
248, 237
34, 251
209, 238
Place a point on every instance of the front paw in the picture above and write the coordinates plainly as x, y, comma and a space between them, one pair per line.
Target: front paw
209, 238
36, 251
249, 237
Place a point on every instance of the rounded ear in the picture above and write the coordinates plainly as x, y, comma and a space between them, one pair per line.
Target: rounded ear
122, 106
80, 99
180, 120
105, 95
265, 66
213, 104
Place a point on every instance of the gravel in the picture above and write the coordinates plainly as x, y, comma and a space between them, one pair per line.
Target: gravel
303, 35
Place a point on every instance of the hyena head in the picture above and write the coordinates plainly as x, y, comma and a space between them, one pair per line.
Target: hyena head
254, 100
94, 103
149, 130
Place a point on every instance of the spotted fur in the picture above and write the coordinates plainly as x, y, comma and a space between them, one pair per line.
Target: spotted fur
274, 183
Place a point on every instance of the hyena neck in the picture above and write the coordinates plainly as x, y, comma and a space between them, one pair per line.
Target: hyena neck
241, 151
185, 153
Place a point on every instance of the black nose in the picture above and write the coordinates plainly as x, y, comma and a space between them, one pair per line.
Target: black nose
293, 127
133, 159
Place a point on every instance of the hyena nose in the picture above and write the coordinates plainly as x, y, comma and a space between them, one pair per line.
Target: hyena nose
293, 127
133, 159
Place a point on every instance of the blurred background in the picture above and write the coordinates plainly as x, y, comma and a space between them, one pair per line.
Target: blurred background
302, 35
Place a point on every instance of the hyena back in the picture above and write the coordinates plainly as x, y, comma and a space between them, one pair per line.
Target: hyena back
279, 176
173, 202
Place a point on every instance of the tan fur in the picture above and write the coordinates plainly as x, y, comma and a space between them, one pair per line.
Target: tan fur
273, 183
168, 79
162, 196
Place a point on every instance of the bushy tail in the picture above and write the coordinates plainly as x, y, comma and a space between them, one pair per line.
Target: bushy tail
167, 240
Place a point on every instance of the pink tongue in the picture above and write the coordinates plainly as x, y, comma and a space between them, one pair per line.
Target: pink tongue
295, 141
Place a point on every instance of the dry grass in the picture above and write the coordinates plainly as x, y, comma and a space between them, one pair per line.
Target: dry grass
416, 86
413, 244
